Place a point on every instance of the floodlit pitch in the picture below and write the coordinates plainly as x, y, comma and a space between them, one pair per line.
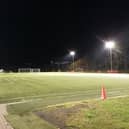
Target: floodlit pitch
37, 91
71, 86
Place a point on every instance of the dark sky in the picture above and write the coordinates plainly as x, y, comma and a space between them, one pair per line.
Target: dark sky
36, 32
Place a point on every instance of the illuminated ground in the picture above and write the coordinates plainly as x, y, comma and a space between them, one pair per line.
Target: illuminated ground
44, 89
63, 86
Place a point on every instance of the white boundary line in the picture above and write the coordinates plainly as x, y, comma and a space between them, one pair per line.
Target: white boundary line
31, 100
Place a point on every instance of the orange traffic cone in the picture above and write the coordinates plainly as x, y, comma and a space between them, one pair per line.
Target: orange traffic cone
103, 93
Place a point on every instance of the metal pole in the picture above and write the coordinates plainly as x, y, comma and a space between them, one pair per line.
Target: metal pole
111, 58
73, 62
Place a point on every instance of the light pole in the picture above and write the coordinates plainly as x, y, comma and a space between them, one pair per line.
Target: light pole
72, 53
110, 45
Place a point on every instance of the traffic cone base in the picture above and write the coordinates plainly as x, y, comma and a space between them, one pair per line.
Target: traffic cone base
103, 93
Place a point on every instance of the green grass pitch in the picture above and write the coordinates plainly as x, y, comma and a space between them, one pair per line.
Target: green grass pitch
46, 89
15, 87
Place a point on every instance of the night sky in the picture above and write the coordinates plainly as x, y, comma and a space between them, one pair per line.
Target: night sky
37, 32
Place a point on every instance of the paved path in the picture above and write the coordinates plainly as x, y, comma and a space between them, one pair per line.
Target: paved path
3, 123
3, 112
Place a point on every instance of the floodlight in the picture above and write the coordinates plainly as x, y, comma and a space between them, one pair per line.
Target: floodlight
72, 53
109, 44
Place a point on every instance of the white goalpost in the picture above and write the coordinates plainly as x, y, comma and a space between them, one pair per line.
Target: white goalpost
25, 70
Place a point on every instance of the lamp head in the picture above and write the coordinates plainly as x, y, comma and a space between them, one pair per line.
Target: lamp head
109, 44
72, 53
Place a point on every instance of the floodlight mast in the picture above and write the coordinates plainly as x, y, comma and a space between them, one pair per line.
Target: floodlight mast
110, 45
72, 53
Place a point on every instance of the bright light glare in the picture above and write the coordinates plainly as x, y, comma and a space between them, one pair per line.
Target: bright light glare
110, 44
72, 53
92, 75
